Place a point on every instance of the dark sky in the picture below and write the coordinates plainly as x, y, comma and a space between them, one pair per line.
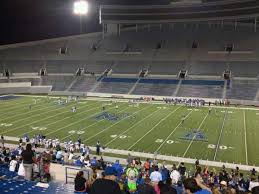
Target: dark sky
28, 20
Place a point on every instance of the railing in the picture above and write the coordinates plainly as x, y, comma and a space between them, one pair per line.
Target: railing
72, 176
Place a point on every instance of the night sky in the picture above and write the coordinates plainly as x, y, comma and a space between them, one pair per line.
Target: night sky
28, 20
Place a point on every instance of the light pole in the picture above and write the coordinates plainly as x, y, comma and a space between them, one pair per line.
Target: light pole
81, 8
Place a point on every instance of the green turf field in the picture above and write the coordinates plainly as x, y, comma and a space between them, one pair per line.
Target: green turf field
226, 134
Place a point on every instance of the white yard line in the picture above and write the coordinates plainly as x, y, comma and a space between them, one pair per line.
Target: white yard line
131, 127
222, 127
16, 107
36, 121
94, 122
114, 124
153, 128
35, 115
195, 135
29, 112
244, 115
67, 117
180, 123
77, 122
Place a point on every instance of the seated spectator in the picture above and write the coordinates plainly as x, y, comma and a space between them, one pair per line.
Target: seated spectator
13, 163
106, 185
118, 168
192, 185
178, 187
59, 156
167, 188
80, 182
146, 188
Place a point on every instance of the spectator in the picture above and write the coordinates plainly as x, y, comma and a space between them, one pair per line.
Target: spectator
156, 176
146, 188
13, 163
106, 184
178, 187
65, 157
132, 174
28, 160
175, 175
192, 185
80, 182
2, 140
167, 188
165, 173
253, 183
182, 169
147, 165
118, 168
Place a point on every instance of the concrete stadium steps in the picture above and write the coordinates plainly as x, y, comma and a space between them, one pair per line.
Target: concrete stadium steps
24, 66
166, 67
244, 68
83, 84
155, 89
97, 66
58, 82
128, 67
34, 81
63, 66
200, 91
210, 68
242, 89
115, 87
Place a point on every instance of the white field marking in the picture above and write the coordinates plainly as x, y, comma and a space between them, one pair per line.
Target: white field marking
244, 115
37, 110
134, 113
161, 145
7, 107
187, 149
95, 122
131, 127
35, 114
222, 127
69, 116
36, 121
153, 128
17, 108
79, 121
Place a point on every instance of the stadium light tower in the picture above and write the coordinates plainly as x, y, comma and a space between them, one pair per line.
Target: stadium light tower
81, 8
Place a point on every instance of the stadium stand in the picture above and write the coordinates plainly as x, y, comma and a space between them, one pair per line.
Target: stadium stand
243, 89
84, 83
58, 82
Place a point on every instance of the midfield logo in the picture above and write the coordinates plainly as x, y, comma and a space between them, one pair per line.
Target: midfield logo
195, 135
111, 116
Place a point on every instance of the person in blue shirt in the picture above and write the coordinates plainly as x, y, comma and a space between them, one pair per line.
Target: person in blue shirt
117, 166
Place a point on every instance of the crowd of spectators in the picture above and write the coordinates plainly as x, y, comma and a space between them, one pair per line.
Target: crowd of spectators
137, 177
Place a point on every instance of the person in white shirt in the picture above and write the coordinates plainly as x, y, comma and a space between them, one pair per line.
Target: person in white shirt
12, 164
156, 176
70, 158
175, 175
253, 183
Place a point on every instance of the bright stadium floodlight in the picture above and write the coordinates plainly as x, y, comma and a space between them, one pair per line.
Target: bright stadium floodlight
81, 7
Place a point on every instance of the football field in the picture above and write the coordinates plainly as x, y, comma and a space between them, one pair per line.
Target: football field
222, 134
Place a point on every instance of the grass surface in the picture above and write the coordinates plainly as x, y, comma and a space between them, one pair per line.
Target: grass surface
230, 135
